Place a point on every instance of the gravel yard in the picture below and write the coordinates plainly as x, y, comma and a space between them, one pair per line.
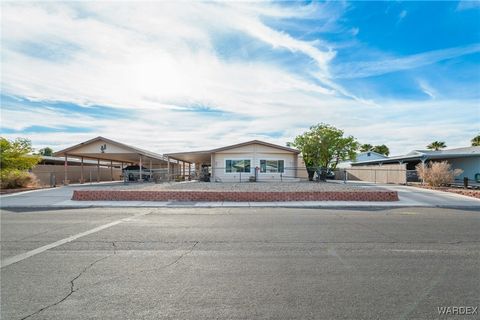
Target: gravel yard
244, 187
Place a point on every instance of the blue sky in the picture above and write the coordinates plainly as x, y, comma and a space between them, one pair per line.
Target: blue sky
172, 76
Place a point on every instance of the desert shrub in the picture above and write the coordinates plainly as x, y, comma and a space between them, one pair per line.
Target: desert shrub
11, 179
437, 174
16, 154
15, 159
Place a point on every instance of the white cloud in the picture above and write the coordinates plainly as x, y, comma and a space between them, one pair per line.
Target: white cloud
468, 4
151, 60
377, 67
427, 89
402, 15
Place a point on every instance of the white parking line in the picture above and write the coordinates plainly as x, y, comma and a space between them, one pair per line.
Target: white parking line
26, 255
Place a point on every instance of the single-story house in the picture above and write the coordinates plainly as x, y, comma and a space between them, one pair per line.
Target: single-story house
255, 159
466, 159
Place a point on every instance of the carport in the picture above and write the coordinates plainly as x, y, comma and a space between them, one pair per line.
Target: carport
112, 154
198, 158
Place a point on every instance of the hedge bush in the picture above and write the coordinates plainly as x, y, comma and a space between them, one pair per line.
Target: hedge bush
11, 179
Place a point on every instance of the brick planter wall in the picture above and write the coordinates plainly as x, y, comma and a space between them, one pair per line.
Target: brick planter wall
468, 193
218, 196
463, 192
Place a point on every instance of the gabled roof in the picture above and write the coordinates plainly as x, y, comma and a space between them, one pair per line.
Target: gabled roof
238, 145
204, 155
263, 143
128, 148
376, 153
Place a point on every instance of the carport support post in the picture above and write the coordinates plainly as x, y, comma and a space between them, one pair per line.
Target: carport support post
423, 164
212, 166
189, 170
141, 176
65, 180
168, 168
98, 170
150, 179
81, 172
183, 169
111, 169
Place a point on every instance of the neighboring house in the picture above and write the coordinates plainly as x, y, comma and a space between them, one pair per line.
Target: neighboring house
467, 159
262, 160
360, 157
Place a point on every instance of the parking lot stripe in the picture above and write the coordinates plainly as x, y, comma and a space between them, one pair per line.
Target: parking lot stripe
26, 255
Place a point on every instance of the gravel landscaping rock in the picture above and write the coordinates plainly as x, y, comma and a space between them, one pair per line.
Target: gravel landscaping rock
245, 187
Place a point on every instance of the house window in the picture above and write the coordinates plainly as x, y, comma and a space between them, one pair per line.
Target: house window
237, 166
271, 166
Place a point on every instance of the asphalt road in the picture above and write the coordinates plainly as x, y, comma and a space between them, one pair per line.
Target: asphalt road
234, 263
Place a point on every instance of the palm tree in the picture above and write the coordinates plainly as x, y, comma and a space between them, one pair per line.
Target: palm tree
366, 147
382, 149
46, 151
437, 145
476, 141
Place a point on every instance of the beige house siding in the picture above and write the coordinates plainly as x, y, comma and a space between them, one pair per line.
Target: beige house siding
95, 146
301, 168
254, 153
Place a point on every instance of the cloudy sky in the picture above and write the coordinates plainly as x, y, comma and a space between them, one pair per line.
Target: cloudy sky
174, 76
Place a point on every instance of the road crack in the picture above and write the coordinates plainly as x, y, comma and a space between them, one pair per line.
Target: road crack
179, 258
183, 255
72, 288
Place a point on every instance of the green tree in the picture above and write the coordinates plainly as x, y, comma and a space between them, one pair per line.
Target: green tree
476, 141
382, 149
366, 147
437, 145
46, 152
324, 146
16, 154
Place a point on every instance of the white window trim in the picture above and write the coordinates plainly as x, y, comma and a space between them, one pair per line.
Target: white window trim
242, 158
270, 159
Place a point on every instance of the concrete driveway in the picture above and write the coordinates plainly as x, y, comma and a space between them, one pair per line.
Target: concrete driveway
238, 263
432, 198
46, 197
409, 196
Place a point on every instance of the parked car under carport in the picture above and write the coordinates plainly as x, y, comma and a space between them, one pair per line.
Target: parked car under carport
132, 173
